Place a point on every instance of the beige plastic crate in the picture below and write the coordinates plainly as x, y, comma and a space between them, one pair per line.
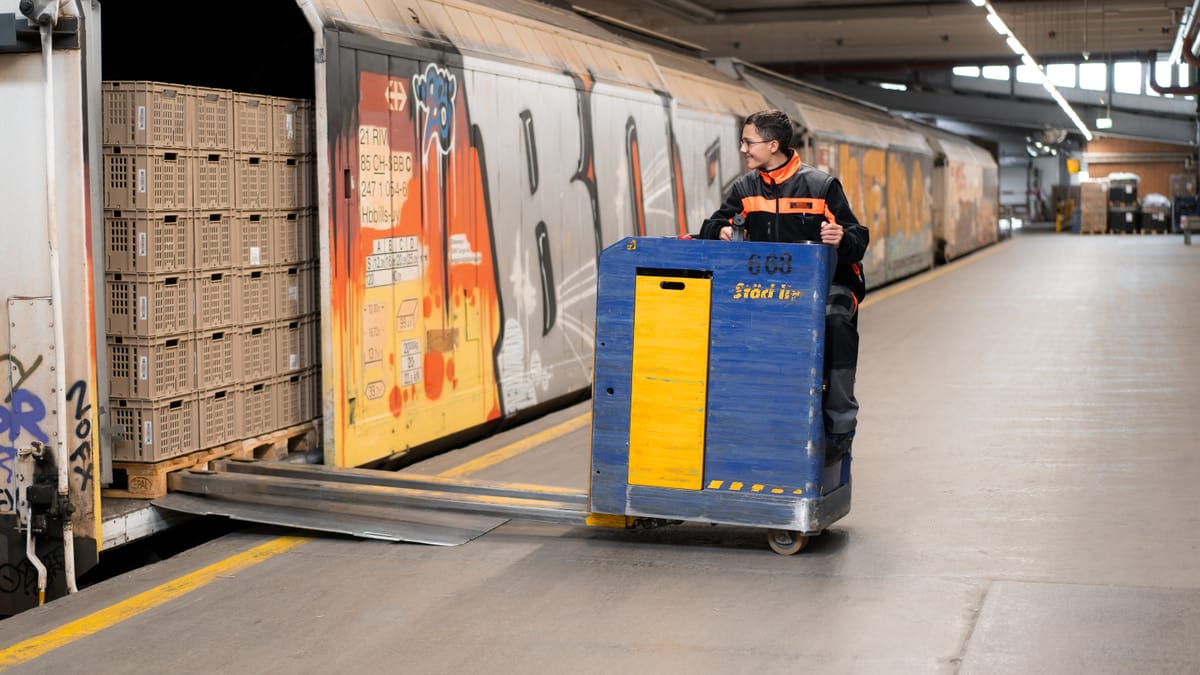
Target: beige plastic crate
218, 358
294, 236
293, 182
220, 417
217, 299
295, 349
216, 240
147, 178
258, 296
256, 242
257, 356
292, 126
150, 368
145, 114
150, 431
214, 181
148, 305
255, 174
148, 242
212, 119
295, 291
252, 123
258, 408
294, 399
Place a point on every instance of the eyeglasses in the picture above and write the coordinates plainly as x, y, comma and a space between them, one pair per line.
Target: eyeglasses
745, 143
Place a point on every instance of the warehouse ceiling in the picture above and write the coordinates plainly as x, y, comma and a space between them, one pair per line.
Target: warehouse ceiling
854, 45
826, 36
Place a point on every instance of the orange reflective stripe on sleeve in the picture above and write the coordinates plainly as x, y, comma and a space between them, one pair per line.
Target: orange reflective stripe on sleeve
757, 204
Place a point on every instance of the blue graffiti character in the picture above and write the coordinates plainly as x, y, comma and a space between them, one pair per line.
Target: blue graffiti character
26, 413
435, 92
7, 455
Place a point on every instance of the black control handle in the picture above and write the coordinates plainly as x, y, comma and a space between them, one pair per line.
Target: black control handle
739, 228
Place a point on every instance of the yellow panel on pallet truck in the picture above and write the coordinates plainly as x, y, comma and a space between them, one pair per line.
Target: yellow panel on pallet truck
670, 381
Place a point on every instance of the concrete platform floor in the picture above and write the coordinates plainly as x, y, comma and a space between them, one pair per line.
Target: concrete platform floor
1025, 501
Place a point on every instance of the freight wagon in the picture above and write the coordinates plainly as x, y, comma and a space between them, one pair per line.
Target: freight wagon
377, 219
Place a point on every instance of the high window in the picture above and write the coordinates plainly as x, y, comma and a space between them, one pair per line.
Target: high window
1127, 77
1093, 76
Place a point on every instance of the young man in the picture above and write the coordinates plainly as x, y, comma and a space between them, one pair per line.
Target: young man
767, 196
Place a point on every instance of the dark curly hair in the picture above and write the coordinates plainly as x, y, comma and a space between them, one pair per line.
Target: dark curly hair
774, 125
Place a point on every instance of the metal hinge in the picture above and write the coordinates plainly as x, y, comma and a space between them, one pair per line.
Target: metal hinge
18, 36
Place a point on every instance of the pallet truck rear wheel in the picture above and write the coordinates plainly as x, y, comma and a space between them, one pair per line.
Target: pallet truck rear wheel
786, 542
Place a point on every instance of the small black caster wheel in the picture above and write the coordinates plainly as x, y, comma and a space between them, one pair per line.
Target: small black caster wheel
786, 542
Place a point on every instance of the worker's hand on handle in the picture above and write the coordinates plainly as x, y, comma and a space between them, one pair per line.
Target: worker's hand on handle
831, 233
737, 231
726, 233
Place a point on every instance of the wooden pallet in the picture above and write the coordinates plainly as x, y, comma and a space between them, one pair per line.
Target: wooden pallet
144, 480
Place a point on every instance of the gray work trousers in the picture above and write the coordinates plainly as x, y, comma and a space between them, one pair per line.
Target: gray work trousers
841, 360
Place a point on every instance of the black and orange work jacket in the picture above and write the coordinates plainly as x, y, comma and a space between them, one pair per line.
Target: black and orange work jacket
788, 204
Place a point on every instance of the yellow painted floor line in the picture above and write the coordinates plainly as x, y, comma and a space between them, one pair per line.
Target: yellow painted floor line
512, 450
922, 277
114, 614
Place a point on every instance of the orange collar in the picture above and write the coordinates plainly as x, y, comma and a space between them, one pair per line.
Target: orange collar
783, 173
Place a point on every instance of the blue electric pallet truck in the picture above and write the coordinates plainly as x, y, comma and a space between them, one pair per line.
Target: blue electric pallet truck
708, 380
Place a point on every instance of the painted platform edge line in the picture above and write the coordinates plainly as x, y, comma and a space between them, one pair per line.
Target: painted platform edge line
97, 621
512, 450
898, 287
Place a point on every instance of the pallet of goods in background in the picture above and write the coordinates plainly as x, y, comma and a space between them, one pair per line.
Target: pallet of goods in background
1124, 209
1093, 206
210, 276
1183, 199
1156, 214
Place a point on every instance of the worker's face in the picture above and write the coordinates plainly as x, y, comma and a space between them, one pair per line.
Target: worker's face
756, 151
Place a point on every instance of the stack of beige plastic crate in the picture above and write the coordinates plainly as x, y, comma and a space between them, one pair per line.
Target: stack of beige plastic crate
276, 259
210, 287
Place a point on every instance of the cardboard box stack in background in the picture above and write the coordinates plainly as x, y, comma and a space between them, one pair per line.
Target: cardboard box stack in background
1093, 206
210, 266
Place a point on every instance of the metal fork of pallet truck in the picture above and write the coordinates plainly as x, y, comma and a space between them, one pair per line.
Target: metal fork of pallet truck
306, 486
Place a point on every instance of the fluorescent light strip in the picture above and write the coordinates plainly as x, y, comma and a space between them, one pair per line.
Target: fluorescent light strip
1177, 48
997, 23
1019, 49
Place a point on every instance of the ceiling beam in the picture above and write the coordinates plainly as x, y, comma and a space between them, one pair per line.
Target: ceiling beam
1026, 113
734, 15
845, 32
